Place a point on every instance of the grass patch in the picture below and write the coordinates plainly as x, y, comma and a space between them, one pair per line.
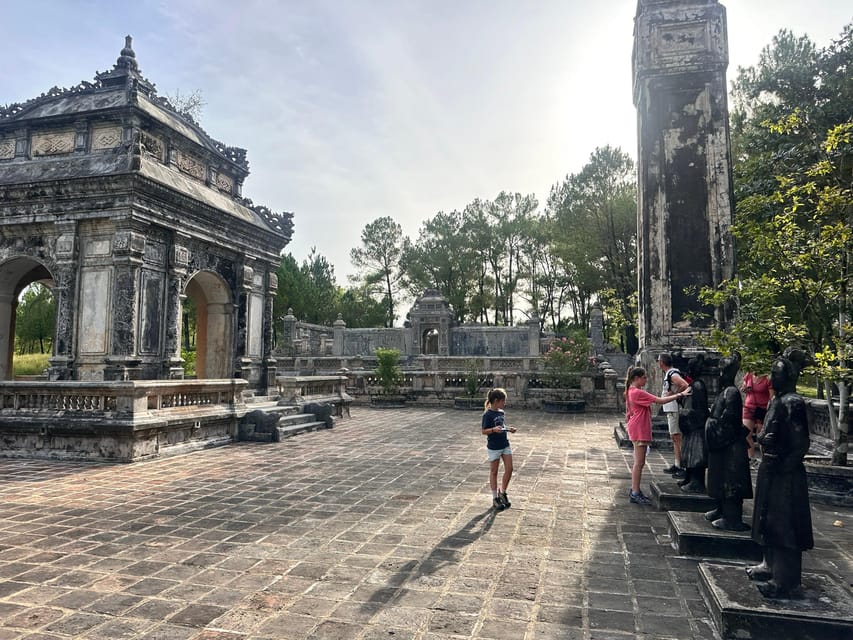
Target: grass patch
30, 364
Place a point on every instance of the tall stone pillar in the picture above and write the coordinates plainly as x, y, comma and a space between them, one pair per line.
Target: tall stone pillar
269, 361
122, 363
64, 278
685, 198
173, 363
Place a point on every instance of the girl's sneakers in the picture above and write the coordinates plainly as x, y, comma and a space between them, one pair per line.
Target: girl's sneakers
498, 503
504, 499
638, 498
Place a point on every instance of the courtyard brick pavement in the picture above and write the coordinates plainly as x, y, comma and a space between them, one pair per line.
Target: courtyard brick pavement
379, 528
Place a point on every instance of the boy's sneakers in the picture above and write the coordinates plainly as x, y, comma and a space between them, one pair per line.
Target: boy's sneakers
498, 503
671, 469
679, 473
638, 498
503, 498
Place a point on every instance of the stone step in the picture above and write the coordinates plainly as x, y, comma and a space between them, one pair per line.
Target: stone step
292, 428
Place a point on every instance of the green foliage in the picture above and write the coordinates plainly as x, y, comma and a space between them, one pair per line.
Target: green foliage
473, 377
388, 369
34, 320
189, 357
30, 364
378, 262
791, 135
599, 205
565, 358
310, 289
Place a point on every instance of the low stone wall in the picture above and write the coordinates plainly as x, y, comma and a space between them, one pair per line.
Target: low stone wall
598, 391
117, 421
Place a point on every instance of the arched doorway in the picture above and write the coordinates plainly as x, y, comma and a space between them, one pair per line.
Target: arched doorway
429, 344
16, 275
214, 338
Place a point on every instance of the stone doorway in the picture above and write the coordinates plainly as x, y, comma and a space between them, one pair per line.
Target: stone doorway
214, 324
429, 343
16, 275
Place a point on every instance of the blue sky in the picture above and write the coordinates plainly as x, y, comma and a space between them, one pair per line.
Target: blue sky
356, 109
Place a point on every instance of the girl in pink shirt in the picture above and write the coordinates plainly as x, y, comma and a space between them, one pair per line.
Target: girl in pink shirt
638, 417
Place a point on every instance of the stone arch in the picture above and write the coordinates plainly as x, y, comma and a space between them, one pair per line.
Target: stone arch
215, 324
15, 275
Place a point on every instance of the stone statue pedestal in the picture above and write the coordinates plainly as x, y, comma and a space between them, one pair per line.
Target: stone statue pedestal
740, 611
693, 535
668, 496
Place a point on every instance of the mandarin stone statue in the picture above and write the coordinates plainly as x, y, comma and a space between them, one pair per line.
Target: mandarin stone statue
694, 414
782, 521
729, 481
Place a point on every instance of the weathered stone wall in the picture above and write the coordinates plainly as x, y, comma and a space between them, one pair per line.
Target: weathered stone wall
489, 341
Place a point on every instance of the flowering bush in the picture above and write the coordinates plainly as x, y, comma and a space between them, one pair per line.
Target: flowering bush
565, 358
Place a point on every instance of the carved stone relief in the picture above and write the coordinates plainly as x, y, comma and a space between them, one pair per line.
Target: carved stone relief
48, 144
106, 138
152, 146
224, 183
7, 148
191, 164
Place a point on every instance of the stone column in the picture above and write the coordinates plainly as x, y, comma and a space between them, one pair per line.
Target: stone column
64, 294
684, 163
338, 328
533, 335
270, 364
7, 340
128, 248
173, 363
243, 364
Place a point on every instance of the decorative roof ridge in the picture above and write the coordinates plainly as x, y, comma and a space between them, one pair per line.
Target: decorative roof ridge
279, 222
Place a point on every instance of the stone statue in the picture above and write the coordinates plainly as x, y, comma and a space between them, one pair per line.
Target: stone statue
694, 414
729, 481
782, 521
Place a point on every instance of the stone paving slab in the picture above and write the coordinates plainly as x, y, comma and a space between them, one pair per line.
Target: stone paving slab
379, 528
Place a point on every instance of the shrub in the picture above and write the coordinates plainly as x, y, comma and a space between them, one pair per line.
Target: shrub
565, 358
30, 364
388, 369
473, 378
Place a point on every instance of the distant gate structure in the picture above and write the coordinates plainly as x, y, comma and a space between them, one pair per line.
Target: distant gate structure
126, 208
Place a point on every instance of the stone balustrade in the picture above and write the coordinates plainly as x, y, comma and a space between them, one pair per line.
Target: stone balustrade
302, 390
117, 421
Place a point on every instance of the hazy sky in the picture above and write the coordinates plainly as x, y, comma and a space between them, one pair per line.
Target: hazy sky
356, 109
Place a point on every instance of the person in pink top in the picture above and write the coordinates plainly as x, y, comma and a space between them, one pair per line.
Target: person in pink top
756, 389
638, 417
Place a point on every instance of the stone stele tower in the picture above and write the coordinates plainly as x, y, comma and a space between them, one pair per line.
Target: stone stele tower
685, 198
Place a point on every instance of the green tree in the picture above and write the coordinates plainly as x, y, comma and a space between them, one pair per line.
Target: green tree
378, 262
442, 258
34, 319
359, 309
791, 131
595, 230
310, 289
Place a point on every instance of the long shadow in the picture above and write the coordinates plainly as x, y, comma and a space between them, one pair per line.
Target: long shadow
444, 553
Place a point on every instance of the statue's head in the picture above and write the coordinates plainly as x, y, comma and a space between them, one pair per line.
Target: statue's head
728, 369
786, 370
694, 365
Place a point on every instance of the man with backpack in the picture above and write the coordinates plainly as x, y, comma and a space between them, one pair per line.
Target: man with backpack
673, 383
